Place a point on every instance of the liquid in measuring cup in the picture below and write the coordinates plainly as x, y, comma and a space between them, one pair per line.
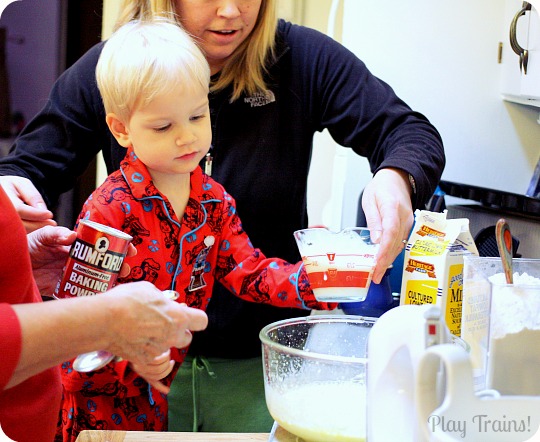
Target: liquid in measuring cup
339, 265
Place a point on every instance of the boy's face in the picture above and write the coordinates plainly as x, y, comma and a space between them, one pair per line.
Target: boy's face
172, 133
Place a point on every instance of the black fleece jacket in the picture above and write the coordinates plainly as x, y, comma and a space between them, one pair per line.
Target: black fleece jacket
262, 147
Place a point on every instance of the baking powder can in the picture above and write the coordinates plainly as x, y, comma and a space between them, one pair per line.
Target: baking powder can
94, 262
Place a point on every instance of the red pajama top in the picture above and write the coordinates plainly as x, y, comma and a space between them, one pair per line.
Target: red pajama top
186, 255
28, 411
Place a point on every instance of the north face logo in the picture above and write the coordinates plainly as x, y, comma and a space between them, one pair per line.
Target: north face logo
260, 98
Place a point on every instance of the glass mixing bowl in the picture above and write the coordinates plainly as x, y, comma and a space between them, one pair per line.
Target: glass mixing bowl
315, 376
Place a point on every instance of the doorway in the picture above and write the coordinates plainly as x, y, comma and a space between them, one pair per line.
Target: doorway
42, 39
83, 30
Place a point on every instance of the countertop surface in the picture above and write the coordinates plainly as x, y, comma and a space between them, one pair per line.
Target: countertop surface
147, 436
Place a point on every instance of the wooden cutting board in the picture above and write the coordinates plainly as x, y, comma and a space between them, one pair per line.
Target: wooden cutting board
147, 436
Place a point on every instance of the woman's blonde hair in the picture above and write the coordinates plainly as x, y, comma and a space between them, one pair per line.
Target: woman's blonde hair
246, 67
146, 58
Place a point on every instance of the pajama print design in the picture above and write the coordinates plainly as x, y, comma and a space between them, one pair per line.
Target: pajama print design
208, 244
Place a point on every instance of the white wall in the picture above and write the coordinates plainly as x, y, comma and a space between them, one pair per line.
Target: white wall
332, 200
441, 58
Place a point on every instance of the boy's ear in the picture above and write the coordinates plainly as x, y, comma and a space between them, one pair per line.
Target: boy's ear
118, 129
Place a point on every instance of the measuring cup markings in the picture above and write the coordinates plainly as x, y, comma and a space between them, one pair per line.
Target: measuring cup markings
339, 265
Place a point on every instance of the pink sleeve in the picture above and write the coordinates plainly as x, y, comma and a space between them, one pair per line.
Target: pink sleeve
10, 343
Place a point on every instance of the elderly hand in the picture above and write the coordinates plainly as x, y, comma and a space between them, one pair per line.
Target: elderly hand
144, 323
388, 209
49, 250
134, 321
28, 202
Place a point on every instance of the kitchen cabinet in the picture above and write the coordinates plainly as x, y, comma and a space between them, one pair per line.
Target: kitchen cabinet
441, 58
521, 53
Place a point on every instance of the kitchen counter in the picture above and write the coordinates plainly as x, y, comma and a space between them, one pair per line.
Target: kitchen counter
147, 436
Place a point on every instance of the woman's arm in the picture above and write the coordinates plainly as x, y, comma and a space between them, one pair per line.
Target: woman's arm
134, 321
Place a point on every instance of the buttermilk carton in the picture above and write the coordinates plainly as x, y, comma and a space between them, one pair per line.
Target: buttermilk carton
433, 264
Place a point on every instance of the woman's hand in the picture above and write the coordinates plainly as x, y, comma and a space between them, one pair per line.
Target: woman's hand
49, 250
144, 323
134, 321
28, 202
388, 209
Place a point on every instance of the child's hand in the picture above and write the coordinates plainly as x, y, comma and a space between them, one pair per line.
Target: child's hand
152, 372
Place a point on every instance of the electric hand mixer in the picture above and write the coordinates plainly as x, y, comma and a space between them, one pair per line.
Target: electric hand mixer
420, 386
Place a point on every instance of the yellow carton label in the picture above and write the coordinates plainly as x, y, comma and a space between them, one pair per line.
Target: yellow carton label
420, 292
454, 298
428, 247
433, 264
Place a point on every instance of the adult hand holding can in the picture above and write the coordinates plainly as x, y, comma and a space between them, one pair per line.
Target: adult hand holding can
95, 360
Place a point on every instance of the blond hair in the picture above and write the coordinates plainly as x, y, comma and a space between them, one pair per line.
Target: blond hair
247, 66
145, 58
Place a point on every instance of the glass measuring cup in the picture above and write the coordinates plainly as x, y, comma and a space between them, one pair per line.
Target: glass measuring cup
339, 265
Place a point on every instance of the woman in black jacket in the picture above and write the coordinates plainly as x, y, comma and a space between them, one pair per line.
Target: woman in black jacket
274, 84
